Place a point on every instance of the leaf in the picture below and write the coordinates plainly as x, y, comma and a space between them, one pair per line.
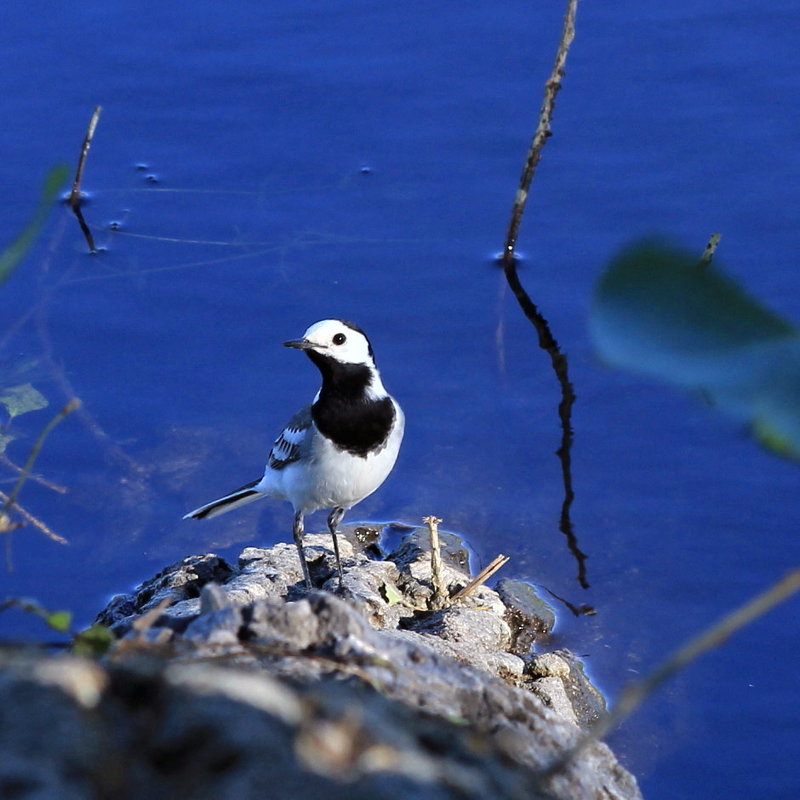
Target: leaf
93, 642
21, 399
391, 594
657, 312
58, 620
5, 438
655, 301
15, 252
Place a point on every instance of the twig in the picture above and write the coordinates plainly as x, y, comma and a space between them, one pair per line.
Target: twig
497, 563
711, 248
75, 199
37, 446
633, 696
56, 487
6, 526
542, 131
30, 519
147, 620
547, 341
75, 194
440, 594
584, 609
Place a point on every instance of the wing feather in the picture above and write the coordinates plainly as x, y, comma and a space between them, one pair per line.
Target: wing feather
288, 447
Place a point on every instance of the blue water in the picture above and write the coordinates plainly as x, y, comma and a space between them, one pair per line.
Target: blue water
274, 164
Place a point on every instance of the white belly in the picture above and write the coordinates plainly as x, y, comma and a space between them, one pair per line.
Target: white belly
328, 477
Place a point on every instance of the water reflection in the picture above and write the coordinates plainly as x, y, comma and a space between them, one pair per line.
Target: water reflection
558, 361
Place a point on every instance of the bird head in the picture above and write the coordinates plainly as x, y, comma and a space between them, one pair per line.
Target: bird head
338, 340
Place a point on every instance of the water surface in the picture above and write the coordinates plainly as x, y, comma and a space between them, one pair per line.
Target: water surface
282, 163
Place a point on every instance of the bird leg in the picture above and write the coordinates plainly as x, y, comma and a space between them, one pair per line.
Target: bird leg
297, 531
334, 518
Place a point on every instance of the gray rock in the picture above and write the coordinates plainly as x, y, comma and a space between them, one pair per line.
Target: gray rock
550, 690
415, 549
479, 627
290, 625
217, 627
205, 731
413, 560
179, 582
527, 614
212, 598
339, 686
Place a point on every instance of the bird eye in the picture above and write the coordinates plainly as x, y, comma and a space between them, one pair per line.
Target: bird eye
339, 338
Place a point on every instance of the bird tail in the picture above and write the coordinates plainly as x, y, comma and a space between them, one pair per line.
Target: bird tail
241, 496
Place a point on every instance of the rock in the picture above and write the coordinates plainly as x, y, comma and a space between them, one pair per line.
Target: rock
552, 692
246, 685
413, 560
473, 636
548, 665
277, 623
479, 627
220, 626
176, 587
527, 614
205, 731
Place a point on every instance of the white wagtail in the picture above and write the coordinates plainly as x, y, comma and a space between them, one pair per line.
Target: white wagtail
335, 452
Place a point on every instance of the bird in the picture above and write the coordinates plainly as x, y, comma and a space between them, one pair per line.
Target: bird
336, 451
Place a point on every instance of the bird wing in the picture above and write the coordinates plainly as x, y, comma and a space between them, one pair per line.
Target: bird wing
288, 447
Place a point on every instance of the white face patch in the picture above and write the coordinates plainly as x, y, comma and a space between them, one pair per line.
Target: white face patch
335, 339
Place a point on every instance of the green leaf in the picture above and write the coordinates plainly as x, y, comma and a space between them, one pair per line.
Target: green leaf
21, 399
93, 642
15, 252
391, 594
5, 438
658, 312
58, 620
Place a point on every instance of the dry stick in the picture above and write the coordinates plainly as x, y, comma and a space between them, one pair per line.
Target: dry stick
577, 610
633, 695
42, 481
75, 198
6, 526
542, 131
497, 563
440, 594
546, 339
147, 620
37, 446
31, 520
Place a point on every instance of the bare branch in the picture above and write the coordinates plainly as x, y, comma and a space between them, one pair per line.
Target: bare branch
6, 526
37, 446
497, 563
440, 594
546, 339
542, 131
42, 481
75, 199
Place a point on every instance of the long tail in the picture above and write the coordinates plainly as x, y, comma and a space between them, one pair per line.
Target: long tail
240, 497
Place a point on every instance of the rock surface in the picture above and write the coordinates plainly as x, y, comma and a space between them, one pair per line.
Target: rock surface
232, 681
